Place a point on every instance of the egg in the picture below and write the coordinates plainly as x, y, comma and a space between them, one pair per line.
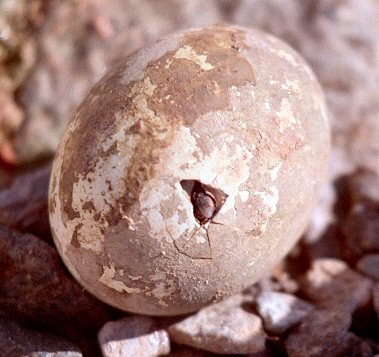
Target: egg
190, 170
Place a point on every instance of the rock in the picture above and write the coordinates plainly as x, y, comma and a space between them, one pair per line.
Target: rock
280, 311
35, 286
376, 299
369, 265
23, 205
330, 283
322, 333
357, 212
17, 341
361, 229
185, 351
223, 328
363, 186
133, 336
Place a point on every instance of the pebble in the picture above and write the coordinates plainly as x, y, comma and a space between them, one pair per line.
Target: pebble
280, 311
330, 283
16, 341
369, 265
132, 336
223, 328
35, 287
322, 333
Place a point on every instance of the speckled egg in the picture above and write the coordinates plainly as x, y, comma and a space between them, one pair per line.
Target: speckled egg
189, 170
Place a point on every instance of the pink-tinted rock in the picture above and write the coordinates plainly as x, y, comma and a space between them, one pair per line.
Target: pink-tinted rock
17, 341
223, 328
133, 336
280, 311
330, 283
322, 333
35, 287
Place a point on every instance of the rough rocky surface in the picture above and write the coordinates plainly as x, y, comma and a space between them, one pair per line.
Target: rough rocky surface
331, 282
17, 341
280, 311
222, 328
322, 333
133, 336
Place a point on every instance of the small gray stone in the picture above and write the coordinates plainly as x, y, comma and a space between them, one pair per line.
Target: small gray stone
16, 341
330, 283
223, 328
281, 311
134, 336
322, 333
369, 265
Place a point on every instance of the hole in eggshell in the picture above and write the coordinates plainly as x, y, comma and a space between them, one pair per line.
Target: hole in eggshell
206, 200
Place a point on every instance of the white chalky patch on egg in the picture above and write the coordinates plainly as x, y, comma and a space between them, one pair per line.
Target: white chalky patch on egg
174, 227
285, 55
156, 221
187, 52
270, 198
274, 171
137, 62
200, 239
293, 86
267, 105
90, 236
108, 279
286, 116
244, 195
